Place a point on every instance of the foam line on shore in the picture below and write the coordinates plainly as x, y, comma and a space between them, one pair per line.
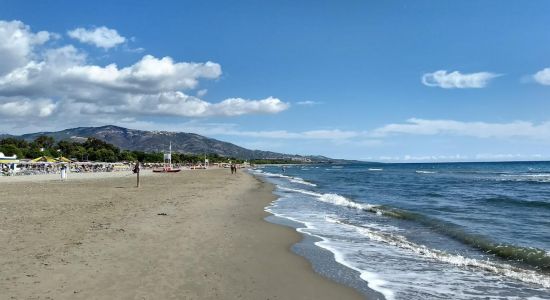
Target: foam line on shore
372, 279
290, 178
402, 242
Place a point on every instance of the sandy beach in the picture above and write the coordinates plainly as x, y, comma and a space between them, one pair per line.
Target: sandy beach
193, 235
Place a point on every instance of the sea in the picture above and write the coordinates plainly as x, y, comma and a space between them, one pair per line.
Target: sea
421, 231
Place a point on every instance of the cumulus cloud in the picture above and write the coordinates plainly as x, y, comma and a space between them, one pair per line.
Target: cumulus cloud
456, 79
24, 108
543, 76
17, 43
57, 82
147, 76
101, 37
179, 104
239, 106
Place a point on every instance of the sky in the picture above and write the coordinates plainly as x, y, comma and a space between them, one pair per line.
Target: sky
389, 81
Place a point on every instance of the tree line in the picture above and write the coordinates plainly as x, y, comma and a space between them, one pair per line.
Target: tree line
94, 149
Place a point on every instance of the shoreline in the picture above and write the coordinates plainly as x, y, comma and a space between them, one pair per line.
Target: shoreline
191, 235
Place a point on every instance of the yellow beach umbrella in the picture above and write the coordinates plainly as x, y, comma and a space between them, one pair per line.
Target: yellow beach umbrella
44, 159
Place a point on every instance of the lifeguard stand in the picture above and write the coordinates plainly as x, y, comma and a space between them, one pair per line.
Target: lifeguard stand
168, 158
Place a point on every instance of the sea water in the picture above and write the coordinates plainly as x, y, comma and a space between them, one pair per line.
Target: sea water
427, 231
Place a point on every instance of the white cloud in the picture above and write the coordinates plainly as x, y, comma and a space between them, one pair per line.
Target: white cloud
307, 103
101, 37
543, 76
239, 106
414, 126
202, 93
456, 79
17, 43
149, 75
22, 107
231, 130
180, 104
86, 92
472, 129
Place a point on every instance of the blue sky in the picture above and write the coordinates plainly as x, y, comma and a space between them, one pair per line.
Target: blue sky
374, 80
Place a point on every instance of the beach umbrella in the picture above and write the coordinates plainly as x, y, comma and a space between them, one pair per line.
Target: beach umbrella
44, 159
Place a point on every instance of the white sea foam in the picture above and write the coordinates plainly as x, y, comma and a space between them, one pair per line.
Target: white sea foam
373, 280
375, 169
332, 199
425, 172
301, 191
542, 177
343, 201
301, 181
290, 178
457, 260
367, 246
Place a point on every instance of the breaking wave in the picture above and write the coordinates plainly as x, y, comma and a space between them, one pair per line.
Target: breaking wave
402, 242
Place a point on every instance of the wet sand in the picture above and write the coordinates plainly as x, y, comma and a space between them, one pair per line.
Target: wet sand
192, 235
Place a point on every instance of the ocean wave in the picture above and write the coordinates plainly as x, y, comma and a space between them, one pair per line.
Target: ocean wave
372, 279
533, 257
536, 177
301, 181
343, 201
375, 169
425, 172
536, 258
290, 178
332, 199
305, 192
402, 242
516, 202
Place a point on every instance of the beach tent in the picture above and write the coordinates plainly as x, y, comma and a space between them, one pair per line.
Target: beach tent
8, 159
44, 159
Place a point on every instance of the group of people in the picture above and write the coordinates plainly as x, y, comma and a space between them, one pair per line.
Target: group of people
39, 168
233, 169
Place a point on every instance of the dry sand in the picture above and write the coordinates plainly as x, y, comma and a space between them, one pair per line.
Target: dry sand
192, 235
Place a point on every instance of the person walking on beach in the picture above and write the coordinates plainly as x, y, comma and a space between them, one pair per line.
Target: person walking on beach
136, 171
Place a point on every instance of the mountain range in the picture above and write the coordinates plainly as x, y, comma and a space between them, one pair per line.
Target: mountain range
155, 141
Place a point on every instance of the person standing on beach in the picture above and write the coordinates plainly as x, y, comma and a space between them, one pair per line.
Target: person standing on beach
136, 171
63, 172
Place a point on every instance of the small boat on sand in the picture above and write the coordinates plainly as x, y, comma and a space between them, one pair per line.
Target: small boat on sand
167, 168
